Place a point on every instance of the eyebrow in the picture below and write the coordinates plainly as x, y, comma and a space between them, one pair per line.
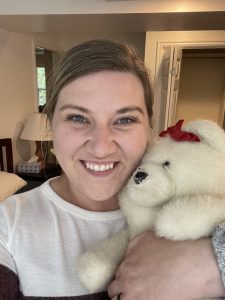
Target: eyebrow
73, 106
130, 109
85, 110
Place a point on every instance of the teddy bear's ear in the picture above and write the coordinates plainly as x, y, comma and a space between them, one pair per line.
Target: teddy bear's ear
208, 131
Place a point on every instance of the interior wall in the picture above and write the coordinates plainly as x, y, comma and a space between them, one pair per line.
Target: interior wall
48, 41
137, 39
202, 83
17, 85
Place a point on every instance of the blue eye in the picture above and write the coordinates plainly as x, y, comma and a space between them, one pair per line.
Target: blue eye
77, 119
125, 121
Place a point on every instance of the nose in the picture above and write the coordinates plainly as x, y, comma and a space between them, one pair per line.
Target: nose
101, 143
140, 176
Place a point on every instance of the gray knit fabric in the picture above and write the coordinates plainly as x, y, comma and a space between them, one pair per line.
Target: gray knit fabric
218, 242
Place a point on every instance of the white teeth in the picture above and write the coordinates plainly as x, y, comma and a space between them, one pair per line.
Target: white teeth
99, 168
96, 168
102, 168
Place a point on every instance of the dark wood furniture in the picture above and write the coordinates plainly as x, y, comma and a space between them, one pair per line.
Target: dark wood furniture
50, 171
34, 180
6, 155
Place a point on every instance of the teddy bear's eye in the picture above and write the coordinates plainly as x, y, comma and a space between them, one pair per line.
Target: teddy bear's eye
166, 164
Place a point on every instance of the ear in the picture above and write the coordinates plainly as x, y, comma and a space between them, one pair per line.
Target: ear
208, 131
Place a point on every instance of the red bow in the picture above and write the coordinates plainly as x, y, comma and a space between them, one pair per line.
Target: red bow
177, 134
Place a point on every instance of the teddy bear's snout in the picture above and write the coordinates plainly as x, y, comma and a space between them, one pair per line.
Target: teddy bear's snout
140, 176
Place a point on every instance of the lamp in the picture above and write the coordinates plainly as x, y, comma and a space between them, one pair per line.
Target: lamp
37, 129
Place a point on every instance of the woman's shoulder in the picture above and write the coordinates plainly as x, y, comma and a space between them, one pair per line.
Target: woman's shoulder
17, 204
24, 210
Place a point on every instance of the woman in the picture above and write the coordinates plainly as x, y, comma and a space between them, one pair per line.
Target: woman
100, 110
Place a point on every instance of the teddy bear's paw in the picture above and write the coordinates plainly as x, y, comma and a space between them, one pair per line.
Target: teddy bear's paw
176, 228
190, 217
94, 272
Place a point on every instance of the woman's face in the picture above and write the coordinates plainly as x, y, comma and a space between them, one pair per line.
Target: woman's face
101, 131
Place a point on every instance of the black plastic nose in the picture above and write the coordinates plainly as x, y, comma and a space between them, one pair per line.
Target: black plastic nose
140, 176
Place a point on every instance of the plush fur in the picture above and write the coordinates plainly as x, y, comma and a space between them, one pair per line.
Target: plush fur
178, 191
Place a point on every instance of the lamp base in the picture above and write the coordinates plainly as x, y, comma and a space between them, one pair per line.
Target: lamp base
32, 160
39, 154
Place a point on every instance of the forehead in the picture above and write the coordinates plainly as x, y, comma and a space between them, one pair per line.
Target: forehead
105, 87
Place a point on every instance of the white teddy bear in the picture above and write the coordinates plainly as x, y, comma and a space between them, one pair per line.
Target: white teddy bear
178, 191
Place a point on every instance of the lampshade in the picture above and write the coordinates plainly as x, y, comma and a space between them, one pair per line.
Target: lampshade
37, 128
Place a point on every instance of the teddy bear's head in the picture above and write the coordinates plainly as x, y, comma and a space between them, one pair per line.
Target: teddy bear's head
188, 160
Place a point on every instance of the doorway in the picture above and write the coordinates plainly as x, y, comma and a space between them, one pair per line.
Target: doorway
44, 68
191, 84
201, 91
44, 65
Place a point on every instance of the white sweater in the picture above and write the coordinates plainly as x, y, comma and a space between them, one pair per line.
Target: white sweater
41, 237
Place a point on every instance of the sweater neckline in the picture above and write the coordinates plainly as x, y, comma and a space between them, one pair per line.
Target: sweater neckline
74, 209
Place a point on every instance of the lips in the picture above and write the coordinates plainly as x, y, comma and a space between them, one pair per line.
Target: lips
99, 167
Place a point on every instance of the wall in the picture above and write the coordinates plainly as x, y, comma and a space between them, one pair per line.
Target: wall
46, 40
17, 86
137, 39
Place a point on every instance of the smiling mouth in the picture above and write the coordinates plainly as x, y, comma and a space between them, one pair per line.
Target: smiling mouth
93, 167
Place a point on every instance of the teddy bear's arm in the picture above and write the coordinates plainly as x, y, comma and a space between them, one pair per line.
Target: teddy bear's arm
97, 266
139, 219
190, 217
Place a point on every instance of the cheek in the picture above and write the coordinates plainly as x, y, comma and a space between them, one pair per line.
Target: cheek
135, 146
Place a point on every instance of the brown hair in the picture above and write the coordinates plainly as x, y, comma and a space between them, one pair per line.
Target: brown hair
94, 56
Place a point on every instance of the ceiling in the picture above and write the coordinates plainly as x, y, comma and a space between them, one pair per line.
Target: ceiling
100, 16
